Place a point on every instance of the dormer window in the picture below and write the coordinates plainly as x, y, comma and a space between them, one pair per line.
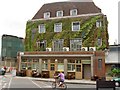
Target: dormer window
59, 13
47, 15
73, 12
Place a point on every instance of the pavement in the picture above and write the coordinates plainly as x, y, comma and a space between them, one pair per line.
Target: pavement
72, 81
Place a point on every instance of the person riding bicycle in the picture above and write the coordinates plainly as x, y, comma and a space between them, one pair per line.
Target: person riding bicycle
61, 77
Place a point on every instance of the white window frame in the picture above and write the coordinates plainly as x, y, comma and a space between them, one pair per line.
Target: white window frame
59, 13
73, 26
73, 12
42, 28
98, 24
47, 15
57, 26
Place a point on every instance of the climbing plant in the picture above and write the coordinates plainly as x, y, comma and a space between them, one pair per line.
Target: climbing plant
88, 32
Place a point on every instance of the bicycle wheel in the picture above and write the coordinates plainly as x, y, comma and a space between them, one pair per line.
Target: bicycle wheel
64, 86
54, 85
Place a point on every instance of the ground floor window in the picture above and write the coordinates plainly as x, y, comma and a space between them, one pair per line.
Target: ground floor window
44, 65
60, 67
23, 65
35, 66
78, 68
52, 67
71, 67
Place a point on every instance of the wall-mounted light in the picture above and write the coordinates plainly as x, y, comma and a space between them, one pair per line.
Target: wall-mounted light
56, 60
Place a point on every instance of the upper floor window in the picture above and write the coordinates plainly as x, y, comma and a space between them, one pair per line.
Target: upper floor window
47, 15
75, 44
58, 27
99, 41
41, 45
73, 12
58, 45
59, 13
98, 23
75, 26
42, 28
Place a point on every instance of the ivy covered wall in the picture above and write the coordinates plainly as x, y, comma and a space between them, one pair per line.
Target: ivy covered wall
88, 32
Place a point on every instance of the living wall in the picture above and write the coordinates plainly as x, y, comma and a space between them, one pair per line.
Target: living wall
88, 32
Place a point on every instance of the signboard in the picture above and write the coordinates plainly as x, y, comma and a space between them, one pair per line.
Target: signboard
86, 61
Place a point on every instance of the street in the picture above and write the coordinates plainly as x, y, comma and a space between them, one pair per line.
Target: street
28, 83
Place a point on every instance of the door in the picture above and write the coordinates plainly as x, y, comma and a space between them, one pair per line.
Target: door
86, 71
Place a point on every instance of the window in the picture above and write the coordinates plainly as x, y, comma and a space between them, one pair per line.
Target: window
71, 67
29, 66
59, 13
98, 23
99, 41
41, 45
75, 44
23, 65
78, 68
73, 12
47, 15
78, 61
42, 28
58, 27
75, 26
52, 67
58, 45
35, 66
60, 66
44, 65
99, 64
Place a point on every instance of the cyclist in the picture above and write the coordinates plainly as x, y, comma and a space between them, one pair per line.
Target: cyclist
61, 78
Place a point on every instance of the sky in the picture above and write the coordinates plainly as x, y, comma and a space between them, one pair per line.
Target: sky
15, 13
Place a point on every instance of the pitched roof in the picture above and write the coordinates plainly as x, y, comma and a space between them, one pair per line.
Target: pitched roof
82, 7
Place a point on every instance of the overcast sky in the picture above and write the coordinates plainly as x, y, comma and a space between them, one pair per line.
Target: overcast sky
15, 13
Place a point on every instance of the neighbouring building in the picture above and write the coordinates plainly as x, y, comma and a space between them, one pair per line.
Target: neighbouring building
68, 36
10, 46
112, 58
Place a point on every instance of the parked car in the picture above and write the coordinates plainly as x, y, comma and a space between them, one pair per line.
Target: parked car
117, 81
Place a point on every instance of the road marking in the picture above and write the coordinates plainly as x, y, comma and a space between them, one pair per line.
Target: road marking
35, 83
46, 85
10, 83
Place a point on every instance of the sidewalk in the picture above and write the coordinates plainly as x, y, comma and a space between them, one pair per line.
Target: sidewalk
72, 81
83, 81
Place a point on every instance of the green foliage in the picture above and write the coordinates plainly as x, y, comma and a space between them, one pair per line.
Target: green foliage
115, 72
88, 32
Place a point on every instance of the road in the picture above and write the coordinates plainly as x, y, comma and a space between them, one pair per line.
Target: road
22, 83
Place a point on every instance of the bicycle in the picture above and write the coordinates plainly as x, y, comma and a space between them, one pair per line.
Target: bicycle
55, 84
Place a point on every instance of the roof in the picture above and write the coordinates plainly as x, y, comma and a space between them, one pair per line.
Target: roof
5, 35
82, 8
